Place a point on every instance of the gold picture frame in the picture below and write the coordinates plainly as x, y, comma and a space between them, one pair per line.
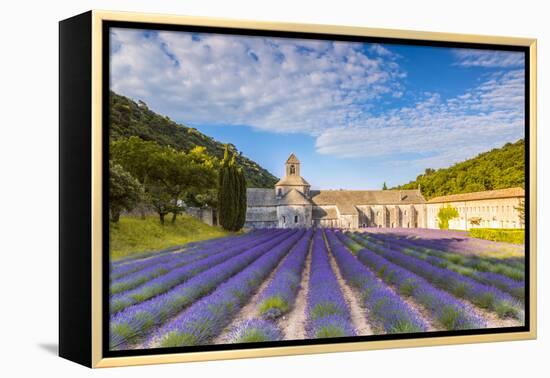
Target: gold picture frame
92, 25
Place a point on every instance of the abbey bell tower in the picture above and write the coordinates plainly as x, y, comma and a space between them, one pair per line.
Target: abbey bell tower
292, 179
292, 166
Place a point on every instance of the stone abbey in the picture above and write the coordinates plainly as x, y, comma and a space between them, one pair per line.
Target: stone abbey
292, 203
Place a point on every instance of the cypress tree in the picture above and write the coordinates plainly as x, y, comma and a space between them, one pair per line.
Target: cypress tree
232, 199
242, 199
231, 194
223, 181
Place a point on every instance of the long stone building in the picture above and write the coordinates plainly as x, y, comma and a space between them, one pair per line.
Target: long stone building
292, 203
488, 209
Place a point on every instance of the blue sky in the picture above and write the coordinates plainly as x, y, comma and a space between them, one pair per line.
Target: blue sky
355, 114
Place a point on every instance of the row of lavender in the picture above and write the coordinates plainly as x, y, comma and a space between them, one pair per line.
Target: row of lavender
131, 264
276, 300
447, 311
131, 275
136, 322
178, 299
482, 295
206, 319
512, 282
326, 313
150, 285
512, 268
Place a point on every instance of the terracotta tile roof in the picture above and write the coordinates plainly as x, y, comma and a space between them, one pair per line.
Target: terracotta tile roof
293, 159
294, 197
346, 200
488, 194
324, 212
293, 180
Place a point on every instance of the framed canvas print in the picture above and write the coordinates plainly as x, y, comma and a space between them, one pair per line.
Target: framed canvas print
236, 189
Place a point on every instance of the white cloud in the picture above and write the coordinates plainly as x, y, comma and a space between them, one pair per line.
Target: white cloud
488, 58
331, 91
436, 132
280, 85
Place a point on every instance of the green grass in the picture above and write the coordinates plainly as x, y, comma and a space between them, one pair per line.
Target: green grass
273, 304
133, 235
512, 235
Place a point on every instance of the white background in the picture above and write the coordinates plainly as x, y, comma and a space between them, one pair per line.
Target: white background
29, 189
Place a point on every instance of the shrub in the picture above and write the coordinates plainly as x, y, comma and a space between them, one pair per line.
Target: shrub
445, 214
516, 236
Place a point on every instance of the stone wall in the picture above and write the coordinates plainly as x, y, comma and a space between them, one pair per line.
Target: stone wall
294, 216
261, 217
204, 214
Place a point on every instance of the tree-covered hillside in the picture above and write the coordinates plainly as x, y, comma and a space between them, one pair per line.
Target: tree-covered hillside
128, 118
499, 168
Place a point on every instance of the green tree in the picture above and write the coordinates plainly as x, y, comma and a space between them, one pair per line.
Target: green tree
125, 191
130, 118
499, 168
241, 217
133, 154
445, 214
231, 194
384, 187
176, 174
521, 211
168, 175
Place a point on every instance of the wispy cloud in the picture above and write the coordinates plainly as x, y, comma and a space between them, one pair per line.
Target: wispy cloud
490, 59
437, 132
332, 91
280, 85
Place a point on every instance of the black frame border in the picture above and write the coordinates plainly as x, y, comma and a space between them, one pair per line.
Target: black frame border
107, 25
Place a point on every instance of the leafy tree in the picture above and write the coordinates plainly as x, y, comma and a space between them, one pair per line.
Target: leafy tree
168, 175
159, 199
445, 214
499, 168
384, 187
125, 191
134, 119
521, 211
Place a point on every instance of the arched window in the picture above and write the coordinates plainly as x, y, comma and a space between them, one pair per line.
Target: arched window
292, 170
295, 219
284, 219
279, 192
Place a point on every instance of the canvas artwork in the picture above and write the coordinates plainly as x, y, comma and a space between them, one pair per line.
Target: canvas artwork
281, 190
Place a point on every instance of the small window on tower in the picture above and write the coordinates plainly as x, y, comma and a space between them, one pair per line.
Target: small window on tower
279, 192
292, 170
295, 219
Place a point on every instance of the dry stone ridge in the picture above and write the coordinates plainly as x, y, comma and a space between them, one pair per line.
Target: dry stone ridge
292, 203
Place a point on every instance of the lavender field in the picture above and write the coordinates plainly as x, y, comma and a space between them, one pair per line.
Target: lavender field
270, 285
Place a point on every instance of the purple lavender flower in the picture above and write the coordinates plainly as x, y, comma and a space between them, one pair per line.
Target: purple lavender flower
512, 268
255, 330
278, 297
206, 319
137, 321
448, 311
480, 294
179, 275
387, 312
327, 312
132, 264
513, 287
